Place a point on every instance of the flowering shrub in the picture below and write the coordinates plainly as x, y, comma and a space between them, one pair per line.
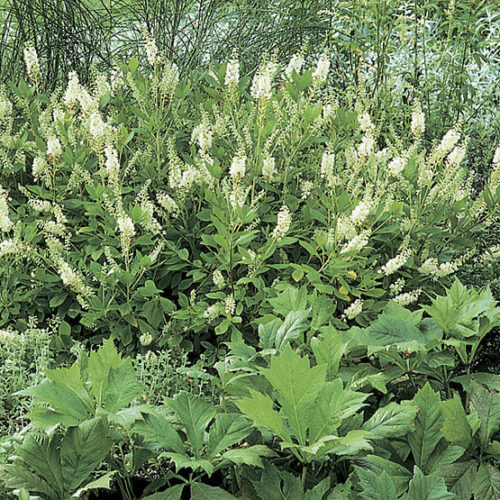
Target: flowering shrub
162, 211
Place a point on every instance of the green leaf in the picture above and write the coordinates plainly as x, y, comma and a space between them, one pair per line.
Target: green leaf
200, 491
104, 482
399, 475
227, 430
259, 408
444, 454
460, 477
390, 421
487, 405
83, 450
295, 323
195, 415
328, 349
159, 433
428, 425
375, 486
99, 365
297, 385
427, 487
122, 387
251, 456
290, 299
172, 493
456, 428
277, 484
487, 483
183, 461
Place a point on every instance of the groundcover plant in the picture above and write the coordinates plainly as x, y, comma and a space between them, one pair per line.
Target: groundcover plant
291, 253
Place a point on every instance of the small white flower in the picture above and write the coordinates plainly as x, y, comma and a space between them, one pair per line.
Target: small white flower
31, 61
268, 167
54, 148
230, 305
218, 279
72, 95
295, 64
237, 170
321, 72
407, 298
232, 77
392, 265
146, 339
354, 309
396, 166
283, 223
417, 121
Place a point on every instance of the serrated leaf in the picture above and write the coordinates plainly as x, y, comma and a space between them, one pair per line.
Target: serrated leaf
444, 454
427, 487
195, 415
259, 408
487, 406
227, 430
390, 421
375, 486
104, 482
487, 483
290, 299
200, 491
159, 433
297, 385
183, 461
99, 365
399, 475
456, 428
459, 478
83, 449
328, 349
122, 387
249, 456
172, 493
277, 484
428, 423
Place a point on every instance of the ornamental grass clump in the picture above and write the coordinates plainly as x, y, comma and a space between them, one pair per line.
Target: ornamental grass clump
151, 206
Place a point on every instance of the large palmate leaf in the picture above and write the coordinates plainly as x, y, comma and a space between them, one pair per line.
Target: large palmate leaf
290, 299
200, 491
194, 415
227, 430
122, 387
427, 434
487, 483
297, 385
390, 421
83, 449
399, 475
456, 428
260, 408
427, 487
487, 406
159, 433
328, 349
455, 313
375, 486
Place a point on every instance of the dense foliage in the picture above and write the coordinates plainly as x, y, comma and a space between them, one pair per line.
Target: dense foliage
227, 285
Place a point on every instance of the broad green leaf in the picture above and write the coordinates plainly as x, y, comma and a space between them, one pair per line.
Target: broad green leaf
328, 349
200, 491
290, 299
122, 387
427, 487
183, 461
297, 385
60, 398
104, 482
459, 478
195, 415
399, 475
428, 425
99, 364
375, 486
351, 443
390, 421
259, 408
487, 406
227, 430
172, 493
83, 450
456, 428
19, 476
249, 456
319, 491
487, 483
444, 454
277, 484
159, 433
